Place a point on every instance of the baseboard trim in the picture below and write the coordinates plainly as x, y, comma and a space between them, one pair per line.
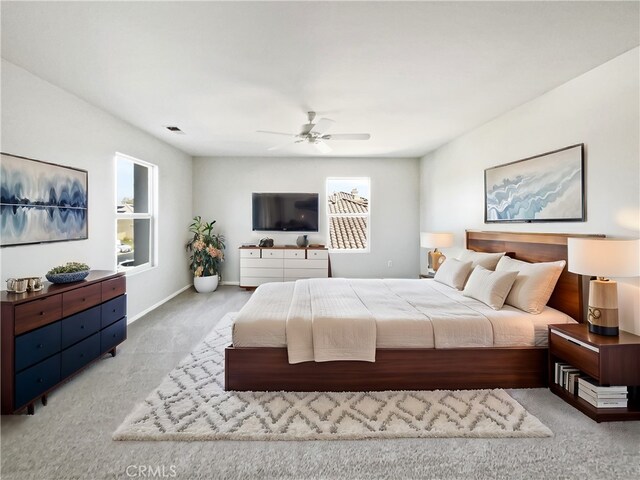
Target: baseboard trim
130, 320
230, 283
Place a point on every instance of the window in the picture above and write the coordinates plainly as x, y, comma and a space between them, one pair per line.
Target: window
348, 210
135, 213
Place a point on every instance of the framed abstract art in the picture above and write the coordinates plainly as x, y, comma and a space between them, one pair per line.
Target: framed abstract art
41, 202
544, 188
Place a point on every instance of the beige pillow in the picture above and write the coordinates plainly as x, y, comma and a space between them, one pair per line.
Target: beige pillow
453, 273
487, 260
491, 288
534, 284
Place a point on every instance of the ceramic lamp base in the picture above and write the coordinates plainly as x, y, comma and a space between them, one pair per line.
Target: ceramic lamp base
436, 258
603, 307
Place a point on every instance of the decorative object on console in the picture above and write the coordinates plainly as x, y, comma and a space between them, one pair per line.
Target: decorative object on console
42, 202
207, 254
302, 241
543, 188
68, 273
435, 257
604, 258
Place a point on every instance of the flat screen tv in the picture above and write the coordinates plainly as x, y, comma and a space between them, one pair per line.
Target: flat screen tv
285, 212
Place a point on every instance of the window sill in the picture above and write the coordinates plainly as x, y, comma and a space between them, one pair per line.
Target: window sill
132, 271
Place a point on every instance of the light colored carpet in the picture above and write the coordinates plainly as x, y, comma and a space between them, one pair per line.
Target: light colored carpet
191, 404
70, 438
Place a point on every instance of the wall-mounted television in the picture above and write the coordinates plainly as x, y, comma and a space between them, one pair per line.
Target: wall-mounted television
285, 212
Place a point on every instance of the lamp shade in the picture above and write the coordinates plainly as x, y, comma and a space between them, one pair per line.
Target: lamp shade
603, 257
436, 240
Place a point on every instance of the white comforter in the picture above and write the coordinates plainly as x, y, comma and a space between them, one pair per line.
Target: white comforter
347, 319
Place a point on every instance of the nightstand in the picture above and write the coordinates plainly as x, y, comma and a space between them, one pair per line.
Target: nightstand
609, 360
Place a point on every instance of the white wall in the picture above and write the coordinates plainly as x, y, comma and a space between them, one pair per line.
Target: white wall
222, 190
599, 109
43, 122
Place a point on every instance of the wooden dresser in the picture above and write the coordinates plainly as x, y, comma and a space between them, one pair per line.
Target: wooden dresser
50, 335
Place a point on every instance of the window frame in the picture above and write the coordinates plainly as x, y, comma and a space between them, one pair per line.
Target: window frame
330, 215
151, 214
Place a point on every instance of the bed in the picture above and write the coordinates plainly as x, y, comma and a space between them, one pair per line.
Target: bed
259, 359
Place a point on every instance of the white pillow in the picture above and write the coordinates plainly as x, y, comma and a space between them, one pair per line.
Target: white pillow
453, 273
534, 284
491, 288
487, 260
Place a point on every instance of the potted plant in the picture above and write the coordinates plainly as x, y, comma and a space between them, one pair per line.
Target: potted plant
207, 254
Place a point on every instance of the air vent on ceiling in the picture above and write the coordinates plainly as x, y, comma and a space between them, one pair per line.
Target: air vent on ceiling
174, 129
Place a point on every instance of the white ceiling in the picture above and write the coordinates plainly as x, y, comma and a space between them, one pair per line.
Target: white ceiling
414, 75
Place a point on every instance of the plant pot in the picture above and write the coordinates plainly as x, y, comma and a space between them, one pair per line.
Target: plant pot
206, 284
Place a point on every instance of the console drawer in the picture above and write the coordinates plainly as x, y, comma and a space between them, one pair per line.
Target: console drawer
113, 335
317, 254
80, 326
113, 310
37, 345
76, 357
37, 380
249, 253
37, 313
114, 288
81, 299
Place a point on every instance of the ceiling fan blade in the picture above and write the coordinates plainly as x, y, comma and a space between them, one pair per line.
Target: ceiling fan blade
323, 147
347, 136
322, 126
282, 145
276, 133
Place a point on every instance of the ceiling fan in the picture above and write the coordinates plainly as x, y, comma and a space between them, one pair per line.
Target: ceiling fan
314, 133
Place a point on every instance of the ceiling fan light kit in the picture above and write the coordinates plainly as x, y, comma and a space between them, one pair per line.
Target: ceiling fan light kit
314, 133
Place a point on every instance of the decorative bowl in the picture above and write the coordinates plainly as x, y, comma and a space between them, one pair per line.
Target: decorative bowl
67, 277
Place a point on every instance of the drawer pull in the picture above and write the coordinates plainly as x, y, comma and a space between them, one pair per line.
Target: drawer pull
41, 314
114, 335
40, 380
84, 299
40, 345
114, 310
81, 327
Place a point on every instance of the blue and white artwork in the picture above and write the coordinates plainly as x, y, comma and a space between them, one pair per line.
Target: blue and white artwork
544, 188
41, 202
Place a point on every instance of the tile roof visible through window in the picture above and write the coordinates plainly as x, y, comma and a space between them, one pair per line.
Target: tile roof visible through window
341, 202
348, 232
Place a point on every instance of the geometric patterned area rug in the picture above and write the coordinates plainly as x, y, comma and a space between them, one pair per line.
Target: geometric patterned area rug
191, 405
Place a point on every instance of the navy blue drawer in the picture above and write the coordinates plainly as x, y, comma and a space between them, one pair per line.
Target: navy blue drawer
37, 380
79, 355
113, 335
80, 325
37, 345
114, 310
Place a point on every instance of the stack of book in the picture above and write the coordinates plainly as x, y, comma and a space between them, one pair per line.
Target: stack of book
567, 377
601, 397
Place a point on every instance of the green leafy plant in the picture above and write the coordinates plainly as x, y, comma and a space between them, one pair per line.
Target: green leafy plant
206, 247
69, 267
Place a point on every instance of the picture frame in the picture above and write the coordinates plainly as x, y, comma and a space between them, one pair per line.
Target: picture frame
549, 187
42, 202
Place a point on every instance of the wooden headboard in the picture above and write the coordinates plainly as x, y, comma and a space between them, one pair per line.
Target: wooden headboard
538, 247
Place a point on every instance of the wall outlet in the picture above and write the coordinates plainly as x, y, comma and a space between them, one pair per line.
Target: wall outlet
389, 264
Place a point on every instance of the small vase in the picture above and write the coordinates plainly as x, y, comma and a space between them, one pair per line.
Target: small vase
302, 241
206, 284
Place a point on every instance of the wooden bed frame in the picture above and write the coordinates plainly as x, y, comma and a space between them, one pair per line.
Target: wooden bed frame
268, 369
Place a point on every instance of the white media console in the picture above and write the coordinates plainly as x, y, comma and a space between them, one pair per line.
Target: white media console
260, 265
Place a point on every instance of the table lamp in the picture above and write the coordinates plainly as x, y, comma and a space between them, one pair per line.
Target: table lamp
435, 240
603, 258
